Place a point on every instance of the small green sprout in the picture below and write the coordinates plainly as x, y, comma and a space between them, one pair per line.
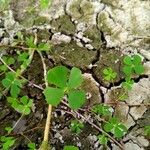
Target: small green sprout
8, 129
133, 65
76, 126
103, 139
128, 83
115, 127
23, 105
103, 110
7, 142
12, 82
65, 84
44, 4
109, 74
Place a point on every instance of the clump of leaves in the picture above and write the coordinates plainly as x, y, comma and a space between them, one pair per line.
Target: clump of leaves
7, 142
109, 74
132, 65
103, 110
22, 106
115, 127
65, 84
103, 139
12, 82
44, 3
76, 126
70, 147
128, 83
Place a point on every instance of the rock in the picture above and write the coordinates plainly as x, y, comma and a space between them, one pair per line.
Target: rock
137, 112
147, 68
132, 146
142, 141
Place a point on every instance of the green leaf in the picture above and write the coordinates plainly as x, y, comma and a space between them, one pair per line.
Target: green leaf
44, 47
23, 56
30, 42
58, 76
76, 98
76, 126
109, 74
128, 84
127, 70
75, 78
108, 127
8, 129
139, 69
31, 146
53, 95
70, 148
136, 59
127, 60
103, 139
119, 130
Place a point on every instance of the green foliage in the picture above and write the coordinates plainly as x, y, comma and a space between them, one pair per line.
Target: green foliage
109, 74
132, 65
101, 109
7, 142
127, 84
31, 146
22, 106
76, 126
147, 130
13, 83
41, 47
103, 139
65, 84
70, 148
8, 129
9, 61
115, 127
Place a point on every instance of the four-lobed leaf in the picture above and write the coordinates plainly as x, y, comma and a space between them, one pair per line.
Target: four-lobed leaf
76, 126
103, 139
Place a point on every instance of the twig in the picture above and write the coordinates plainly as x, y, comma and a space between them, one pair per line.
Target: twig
49, 114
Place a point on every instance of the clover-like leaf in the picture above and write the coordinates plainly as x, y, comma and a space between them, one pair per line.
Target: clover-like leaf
127, 60
44, 4
75, 78
44, 47
128, 84
103, 139
13, 83
76, 98
119, 130
53, 95
58, 76
109, 74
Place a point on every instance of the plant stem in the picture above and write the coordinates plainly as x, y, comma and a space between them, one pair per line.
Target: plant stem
44, 145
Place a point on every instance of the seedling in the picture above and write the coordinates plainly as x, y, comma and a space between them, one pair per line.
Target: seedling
109, 74
103, 139
115, 127
31, 146
65, 84
76, 126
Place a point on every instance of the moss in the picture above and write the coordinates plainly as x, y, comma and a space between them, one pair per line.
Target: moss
81, 10
94, 34
73, 55
64, 24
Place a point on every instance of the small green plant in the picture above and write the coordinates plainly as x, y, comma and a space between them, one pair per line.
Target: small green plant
70, 147
103, 110
7, 142
44, 3
76, 126
115, 127
103, 139
65, 84
22, 106
109, 74
132, 65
